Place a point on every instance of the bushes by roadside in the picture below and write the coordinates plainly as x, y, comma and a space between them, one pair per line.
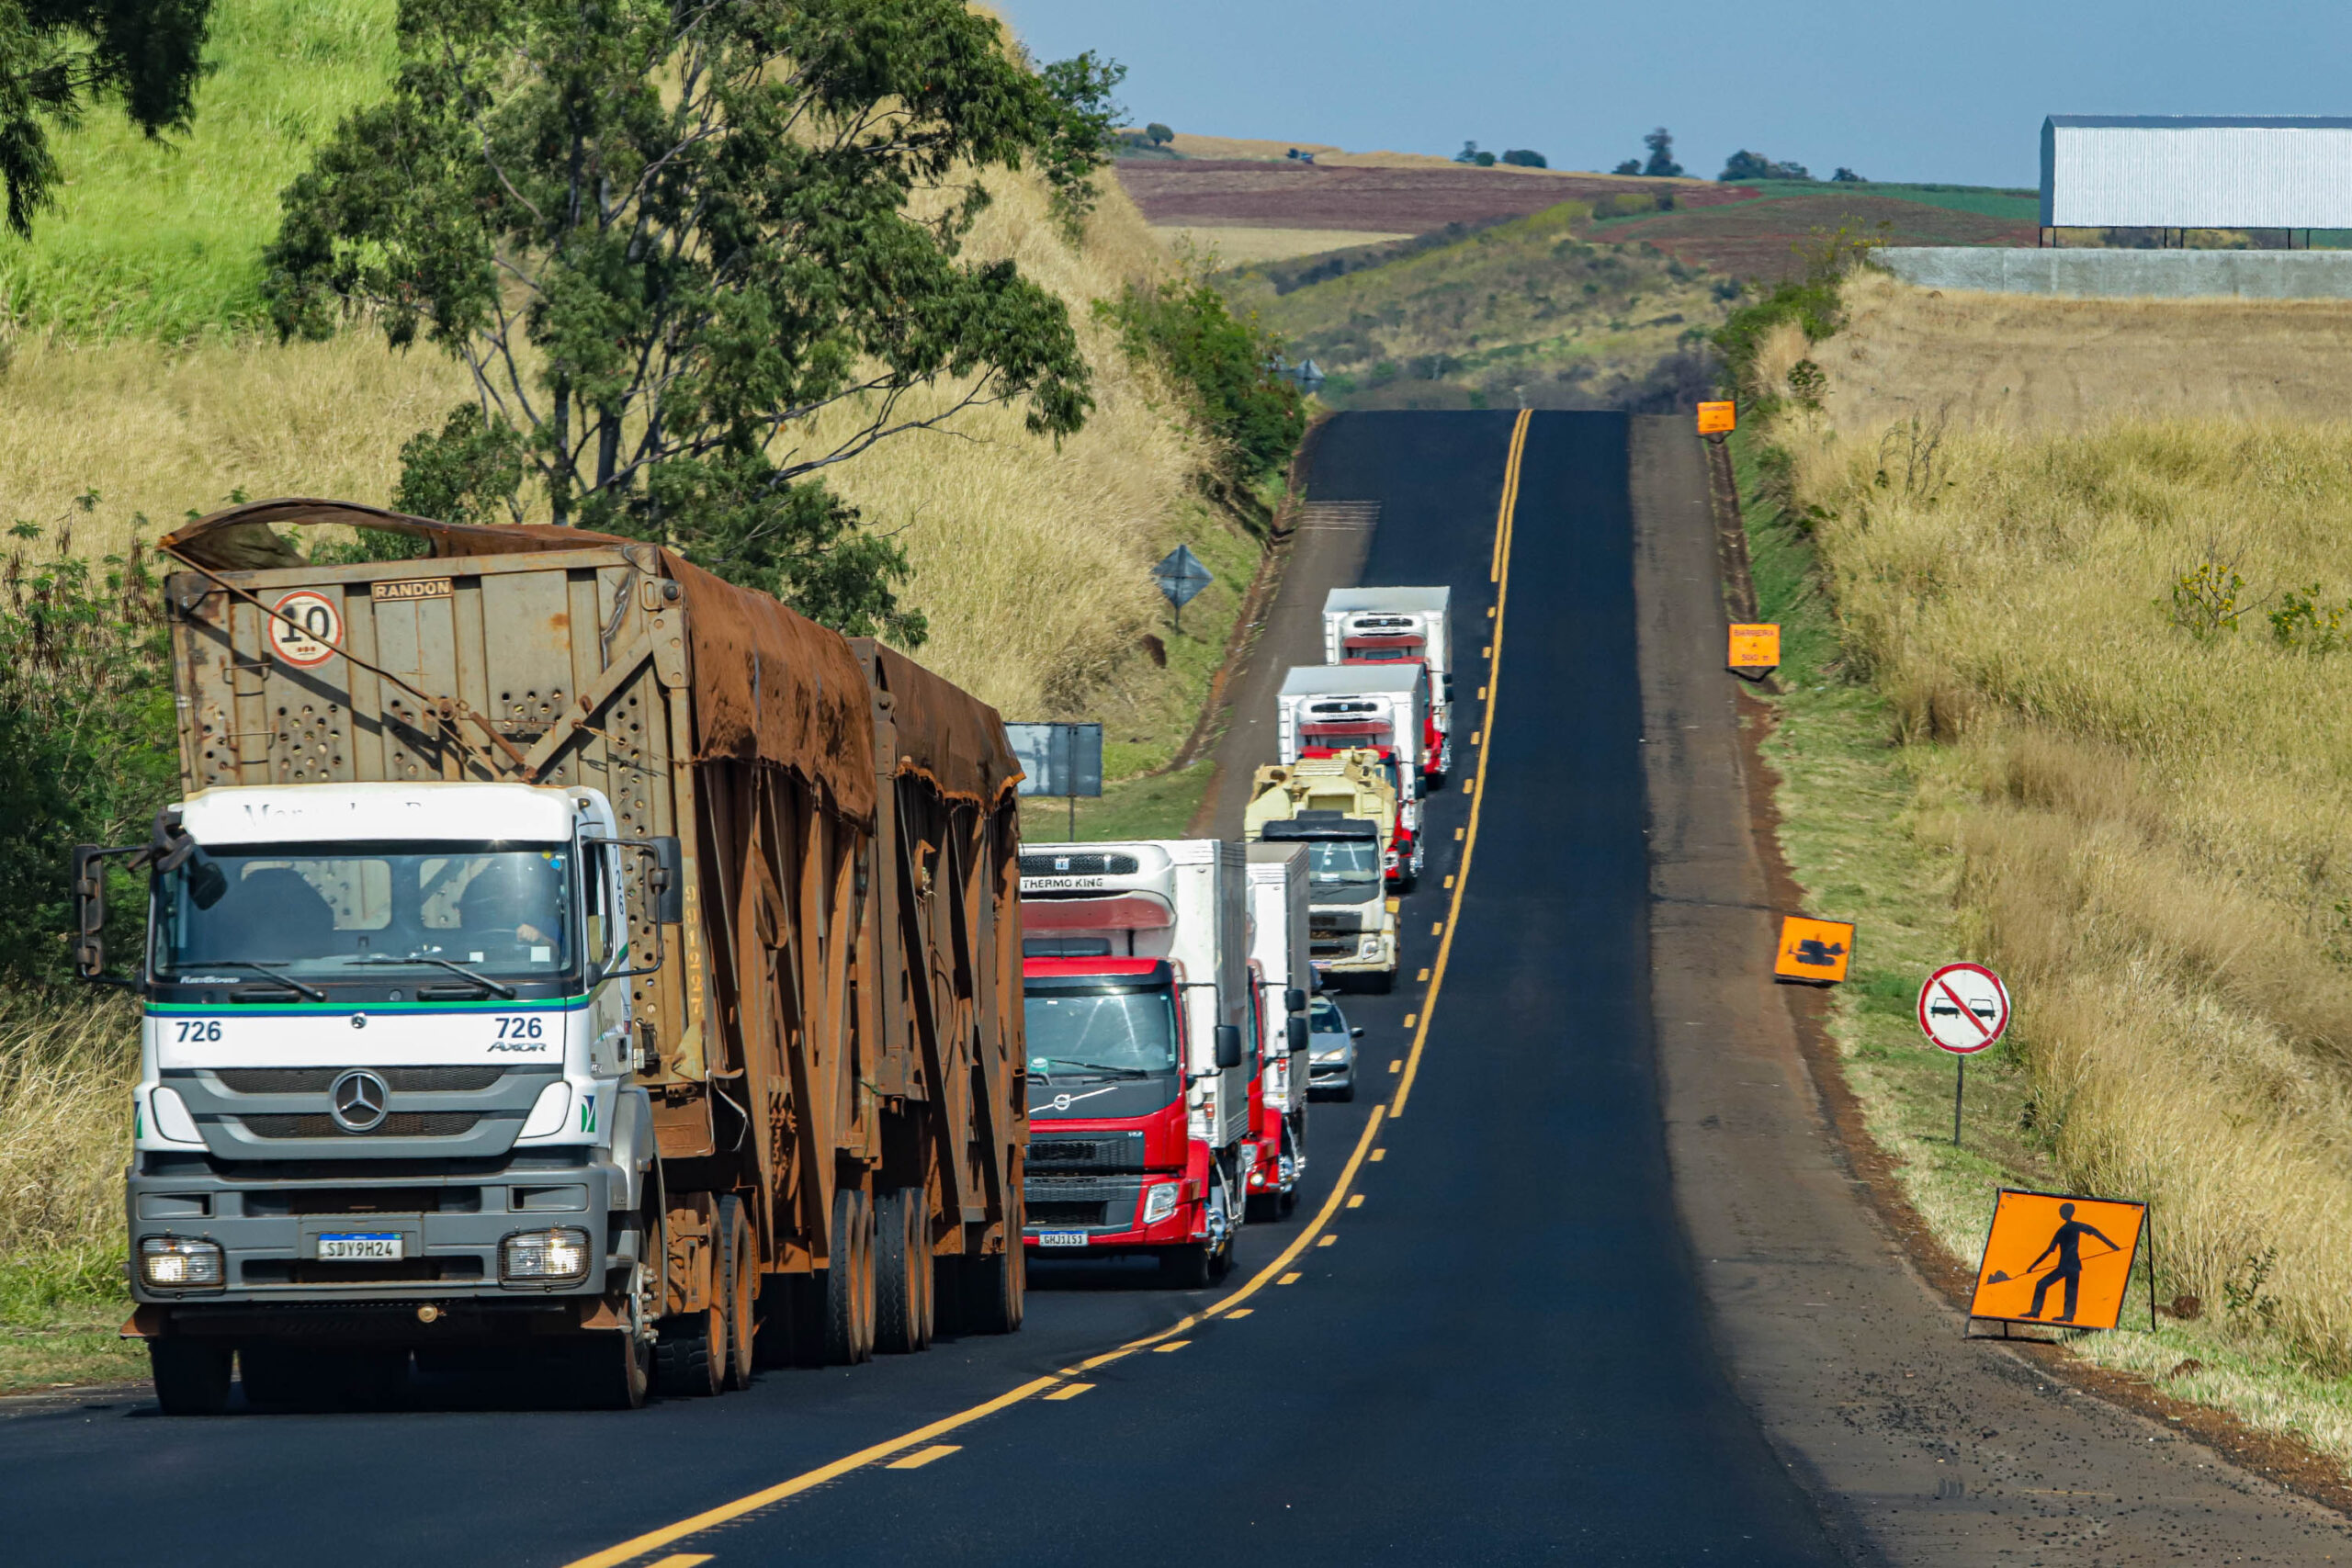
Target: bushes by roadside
1222, 363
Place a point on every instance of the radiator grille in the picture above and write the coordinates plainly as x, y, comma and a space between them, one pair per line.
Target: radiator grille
1063, 1213
1084, 1152
399, 1125
1080, 866
318, 1080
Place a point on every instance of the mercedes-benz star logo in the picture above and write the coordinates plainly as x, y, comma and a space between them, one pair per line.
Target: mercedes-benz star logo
357, 1100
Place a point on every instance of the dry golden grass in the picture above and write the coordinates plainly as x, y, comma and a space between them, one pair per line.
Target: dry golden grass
2035, 363
2153, 831
66, 1070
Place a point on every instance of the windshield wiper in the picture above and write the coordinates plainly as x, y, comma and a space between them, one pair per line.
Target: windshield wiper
484, 981
1097, 1068
270, 969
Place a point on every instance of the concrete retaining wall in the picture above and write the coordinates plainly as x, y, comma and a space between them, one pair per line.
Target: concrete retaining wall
2097, 274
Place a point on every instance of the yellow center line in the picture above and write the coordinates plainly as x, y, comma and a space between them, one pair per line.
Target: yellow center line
1452, 920
613, 1556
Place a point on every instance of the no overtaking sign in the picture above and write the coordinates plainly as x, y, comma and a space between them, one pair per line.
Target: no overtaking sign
1963, 1008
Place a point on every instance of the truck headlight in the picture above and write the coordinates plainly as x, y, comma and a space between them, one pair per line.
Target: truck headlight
544, 1257
1369, 947
180, 1263
1160, 1202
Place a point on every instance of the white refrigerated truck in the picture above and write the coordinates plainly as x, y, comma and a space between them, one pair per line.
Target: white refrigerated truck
1398, 625
1283, 974
1324, 709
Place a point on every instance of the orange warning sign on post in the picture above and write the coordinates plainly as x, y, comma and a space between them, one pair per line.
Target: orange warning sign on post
1755, 647
1814, 949
1717, 419
2052, 1257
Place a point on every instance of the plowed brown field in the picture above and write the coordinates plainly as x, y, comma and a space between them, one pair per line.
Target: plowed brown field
1761, 241
1254, 193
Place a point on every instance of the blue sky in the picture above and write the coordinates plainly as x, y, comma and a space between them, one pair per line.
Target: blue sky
1898, 92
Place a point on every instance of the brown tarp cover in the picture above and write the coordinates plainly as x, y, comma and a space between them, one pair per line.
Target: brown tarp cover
946, 736
768, 685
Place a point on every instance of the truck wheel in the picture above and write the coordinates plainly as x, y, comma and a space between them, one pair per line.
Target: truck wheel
1186, 1267
902, 1271
687, 1363
740, 1263
191, 1376
995, 1287
849, 1281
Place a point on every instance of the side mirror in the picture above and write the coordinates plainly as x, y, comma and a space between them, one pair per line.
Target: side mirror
1297, 1036
1228, 1047
89, 911
1357, 1033
667, 881
1294, 1001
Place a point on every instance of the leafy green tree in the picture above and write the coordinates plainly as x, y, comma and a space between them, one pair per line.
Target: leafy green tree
665, 238
58, 58
1158, 134
1661, 164
1227, 364
1525, 159
1745, 165
1630, 166
1845, 176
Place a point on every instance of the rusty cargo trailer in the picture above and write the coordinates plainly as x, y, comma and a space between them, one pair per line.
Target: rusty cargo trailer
793, 877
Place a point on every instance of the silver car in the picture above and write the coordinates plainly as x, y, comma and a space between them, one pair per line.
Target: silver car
1330, 1051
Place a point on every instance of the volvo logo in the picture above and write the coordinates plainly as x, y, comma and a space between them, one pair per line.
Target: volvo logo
357, 1101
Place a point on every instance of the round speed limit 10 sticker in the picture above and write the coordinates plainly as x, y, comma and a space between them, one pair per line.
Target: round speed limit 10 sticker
307, 628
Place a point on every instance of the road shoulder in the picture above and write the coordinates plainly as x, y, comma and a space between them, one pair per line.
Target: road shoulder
1919, 1447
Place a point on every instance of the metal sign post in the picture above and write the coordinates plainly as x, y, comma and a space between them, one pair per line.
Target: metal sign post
1182, 577
1963, 1008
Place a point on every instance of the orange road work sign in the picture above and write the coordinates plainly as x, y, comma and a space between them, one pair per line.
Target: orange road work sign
1717, 419
1755, 647
2056, 1258
1814, 949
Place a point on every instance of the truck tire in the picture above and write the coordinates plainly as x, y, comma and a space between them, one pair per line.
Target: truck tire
1186, 1267
902, 1271
690, 1352
740, 1264
996, 1286
849, 1281
191, 1375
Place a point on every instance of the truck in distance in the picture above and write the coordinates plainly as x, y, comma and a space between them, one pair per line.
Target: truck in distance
1342, 808
558, 956
1323, 709
1379, 626
1142, 1069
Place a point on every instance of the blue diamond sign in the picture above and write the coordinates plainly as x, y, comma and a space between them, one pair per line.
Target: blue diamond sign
1182, 576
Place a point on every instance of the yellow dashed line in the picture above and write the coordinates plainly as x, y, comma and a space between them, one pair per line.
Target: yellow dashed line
1355, 1200
1070, 1392
922, 1456
1293, 1277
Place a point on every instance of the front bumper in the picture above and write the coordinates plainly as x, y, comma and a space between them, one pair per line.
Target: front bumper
450, 1225
1119, 1223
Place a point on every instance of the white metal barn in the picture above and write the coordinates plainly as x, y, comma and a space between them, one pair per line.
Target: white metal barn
2185, 172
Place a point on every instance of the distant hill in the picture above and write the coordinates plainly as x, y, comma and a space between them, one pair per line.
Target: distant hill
1518, 311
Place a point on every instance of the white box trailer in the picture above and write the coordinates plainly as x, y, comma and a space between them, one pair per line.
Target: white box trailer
1279, 895
1375, 625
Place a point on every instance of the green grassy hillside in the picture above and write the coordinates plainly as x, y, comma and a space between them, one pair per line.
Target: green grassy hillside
162, 239
1522, 312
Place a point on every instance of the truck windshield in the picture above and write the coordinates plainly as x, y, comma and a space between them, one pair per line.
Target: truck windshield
1342, 862
1099, 1034
358, 911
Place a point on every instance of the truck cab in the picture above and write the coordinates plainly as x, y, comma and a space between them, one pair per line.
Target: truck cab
1143, 1067
387, 1057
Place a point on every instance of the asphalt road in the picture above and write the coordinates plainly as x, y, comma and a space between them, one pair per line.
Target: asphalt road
1500, 1355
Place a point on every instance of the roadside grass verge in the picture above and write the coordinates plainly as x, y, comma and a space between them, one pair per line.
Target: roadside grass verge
1995, 744
66, 1067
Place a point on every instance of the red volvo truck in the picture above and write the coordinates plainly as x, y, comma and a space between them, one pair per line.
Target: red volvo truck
1143, 1070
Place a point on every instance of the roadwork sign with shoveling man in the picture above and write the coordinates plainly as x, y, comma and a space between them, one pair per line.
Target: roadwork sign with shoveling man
2057, 1258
